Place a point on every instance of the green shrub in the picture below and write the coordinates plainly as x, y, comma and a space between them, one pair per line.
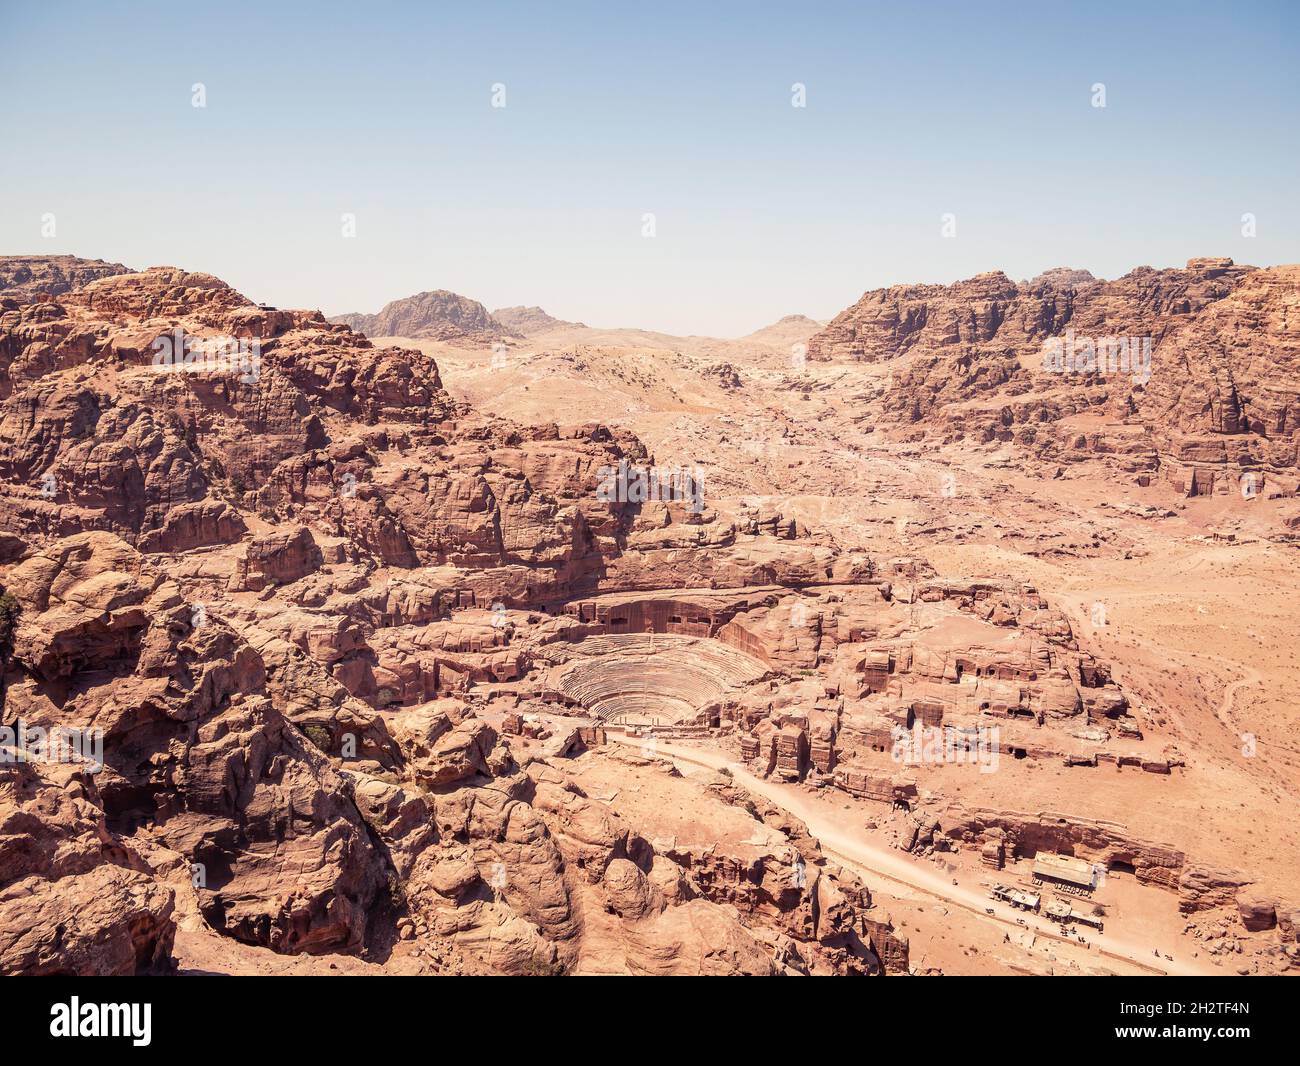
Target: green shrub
8, 621
319, 735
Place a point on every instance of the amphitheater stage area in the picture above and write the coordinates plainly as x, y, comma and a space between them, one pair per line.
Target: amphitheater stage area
649, 679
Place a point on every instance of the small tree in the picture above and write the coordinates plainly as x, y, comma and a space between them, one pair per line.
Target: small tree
9, 609
8, 621
319, 736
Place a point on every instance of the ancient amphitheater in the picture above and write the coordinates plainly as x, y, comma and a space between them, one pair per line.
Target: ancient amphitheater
653, 678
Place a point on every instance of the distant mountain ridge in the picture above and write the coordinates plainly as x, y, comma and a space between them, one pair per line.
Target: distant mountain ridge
438, 315
791, 329
529, 320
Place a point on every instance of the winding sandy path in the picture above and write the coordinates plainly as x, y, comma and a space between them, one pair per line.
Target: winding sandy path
874, 861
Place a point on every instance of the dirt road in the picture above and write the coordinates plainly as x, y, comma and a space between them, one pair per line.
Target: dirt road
874, 862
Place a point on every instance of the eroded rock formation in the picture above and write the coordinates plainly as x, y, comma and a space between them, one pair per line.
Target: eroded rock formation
377, 673
1193, 369
271, 568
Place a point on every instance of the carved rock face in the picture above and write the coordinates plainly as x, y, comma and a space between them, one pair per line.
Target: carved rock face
1215, 401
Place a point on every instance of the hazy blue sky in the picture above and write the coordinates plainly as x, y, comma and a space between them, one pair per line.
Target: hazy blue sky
762, 209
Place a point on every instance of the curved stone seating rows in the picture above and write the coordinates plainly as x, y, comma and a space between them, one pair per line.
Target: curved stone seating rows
652, 677
607, 643
609, 676
737, 667
643, 706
